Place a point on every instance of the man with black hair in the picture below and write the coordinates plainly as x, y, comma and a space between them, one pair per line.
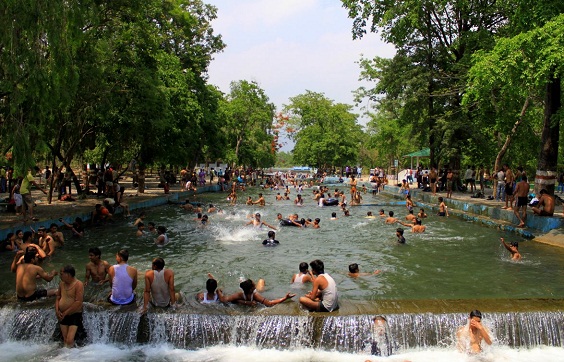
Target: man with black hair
97, 269
123, 280
470, 336
271, 241
513, 248
159, 286
68, 306
27, 274
323, 296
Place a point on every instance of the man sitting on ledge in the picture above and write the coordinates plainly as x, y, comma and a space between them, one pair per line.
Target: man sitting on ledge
546, 201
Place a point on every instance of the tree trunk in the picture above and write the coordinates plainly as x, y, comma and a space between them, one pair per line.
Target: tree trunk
548, 159
508, 139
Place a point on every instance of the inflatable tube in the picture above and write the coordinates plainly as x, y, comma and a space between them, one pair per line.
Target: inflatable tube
331, 202
286, 222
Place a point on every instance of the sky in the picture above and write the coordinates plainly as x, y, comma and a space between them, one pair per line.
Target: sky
289, 47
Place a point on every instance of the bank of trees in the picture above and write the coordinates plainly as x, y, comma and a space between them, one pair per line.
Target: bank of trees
468, 78
115, 81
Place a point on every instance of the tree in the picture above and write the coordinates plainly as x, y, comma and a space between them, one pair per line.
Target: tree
326, 134
249, 116
434, 41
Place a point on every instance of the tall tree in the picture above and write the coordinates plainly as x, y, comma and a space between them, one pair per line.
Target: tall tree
326, 134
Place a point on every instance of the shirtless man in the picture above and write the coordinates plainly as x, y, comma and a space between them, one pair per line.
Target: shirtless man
159, 286
391, 219
381, 213
97, 269
45, 241
68, 306
354, 271
416, 227
509, 178
443, 209
323, 296
27, 274
260, 201
421, 214
546, 201
410, 216
123, 280
521, 191
470, 336
249, 201
513, 248
140, 229
57, 235
256, 222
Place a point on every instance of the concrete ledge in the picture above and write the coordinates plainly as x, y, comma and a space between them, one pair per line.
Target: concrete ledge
479, 211
153, 201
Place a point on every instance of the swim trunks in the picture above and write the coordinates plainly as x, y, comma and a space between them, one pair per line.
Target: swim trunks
522, 201
39, 293
509, 189
74, 319
544, 213
442, 213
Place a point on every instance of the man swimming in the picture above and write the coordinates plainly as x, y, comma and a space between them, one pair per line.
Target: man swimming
257, 222
513, 248
470, 336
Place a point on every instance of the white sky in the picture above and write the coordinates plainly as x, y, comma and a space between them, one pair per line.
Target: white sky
290, 46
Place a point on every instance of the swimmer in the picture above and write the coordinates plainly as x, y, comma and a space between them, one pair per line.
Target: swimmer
256, 222
333, 216
410, 216
298, 201
151, 227
250, 295
211, 209
369, 215
513, 248
416, 227
204, 221
140, 229
140, 218
260, 201
304, 276
382, 213
391, 219
443, 209
421, 214
271, 241
354, 271
162, 239
316, 223
470, 336
249, 201
399, 234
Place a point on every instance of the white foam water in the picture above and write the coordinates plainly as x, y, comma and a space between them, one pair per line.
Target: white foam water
17, 351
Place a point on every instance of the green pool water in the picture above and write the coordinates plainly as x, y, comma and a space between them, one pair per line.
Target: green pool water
453, 260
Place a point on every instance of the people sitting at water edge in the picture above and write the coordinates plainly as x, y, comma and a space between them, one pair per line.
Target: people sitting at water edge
304, 276
123, 280
545, 206
249, 295
96, 269
212, 294
470, 336
159, 286
324, 295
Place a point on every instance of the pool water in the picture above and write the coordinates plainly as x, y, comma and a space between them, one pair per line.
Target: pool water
452, 260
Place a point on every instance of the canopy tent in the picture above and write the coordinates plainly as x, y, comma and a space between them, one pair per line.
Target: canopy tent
426, 152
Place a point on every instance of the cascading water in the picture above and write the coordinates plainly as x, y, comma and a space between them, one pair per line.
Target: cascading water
352, 334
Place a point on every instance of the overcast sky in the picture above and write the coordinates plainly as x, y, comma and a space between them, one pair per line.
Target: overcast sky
290, 46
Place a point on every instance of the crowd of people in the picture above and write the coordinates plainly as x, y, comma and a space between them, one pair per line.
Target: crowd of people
159, 290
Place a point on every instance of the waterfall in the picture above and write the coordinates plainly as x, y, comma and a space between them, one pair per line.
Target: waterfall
351, 333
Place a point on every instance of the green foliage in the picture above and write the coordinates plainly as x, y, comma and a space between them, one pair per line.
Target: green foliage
326, 134
249, 117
